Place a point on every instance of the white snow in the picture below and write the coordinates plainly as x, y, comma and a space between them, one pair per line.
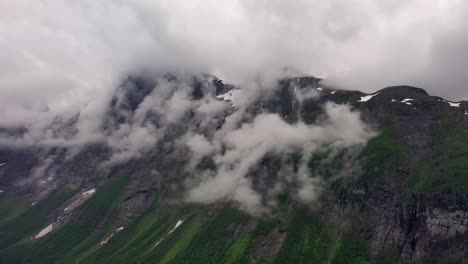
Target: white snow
172, 230
407, 100
106, 240
1, 191
33, 203
319, 89
2, 164
333, 92
367, 97
90, 192
227, 96
393, 100
44, 231
110, 236
176, 226
453, 104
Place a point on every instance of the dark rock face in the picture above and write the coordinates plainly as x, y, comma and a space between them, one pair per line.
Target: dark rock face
412, 223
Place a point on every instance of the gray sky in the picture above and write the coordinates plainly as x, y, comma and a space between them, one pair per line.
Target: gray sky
56, 56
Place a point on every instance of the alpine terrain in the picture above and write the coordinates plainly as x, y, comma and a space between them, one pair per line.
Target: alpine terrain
181, 168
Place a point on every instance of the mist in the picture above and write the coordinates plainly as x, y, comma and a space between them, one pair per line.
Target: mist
64, 65
74, 54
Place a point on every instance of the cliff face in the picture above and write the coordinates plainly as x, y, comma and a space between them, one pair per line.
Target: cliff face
400, 196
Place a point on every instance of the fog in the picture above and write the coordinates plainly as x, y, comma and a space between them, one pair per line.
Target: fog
61, 64
60, 56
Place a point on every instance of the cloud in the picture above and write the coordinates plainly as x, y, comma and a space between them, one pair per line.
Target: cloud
72, 53
244, 148
60, 63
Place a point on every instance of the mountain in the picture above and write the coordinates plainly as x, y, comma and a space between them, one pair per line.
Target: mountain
190, 169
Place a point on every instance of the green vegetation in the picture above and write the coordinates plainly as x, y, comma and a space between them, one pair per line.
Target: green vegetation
72, 242
385, 257
32, 220
446, 167
191, 242
327, 163
134, 244
182, 241
351, 250
381, 152
204, 237
307, 241
11, 206
265, 226
212, 244
239, 251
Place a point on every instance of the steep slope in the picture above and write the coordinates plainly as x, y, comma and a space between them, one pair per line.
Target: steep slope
188, 169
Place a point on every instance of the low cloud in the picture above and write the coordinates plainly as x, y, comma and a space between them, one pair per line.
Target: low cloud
268, 134
222, 142
73, 54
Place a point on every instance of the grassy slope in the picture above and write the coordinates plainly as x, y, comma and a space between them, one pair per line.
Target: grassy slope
10, 207
381, 152
307, 241
32, 220
201, 238
71, 242
446, 166
213, 243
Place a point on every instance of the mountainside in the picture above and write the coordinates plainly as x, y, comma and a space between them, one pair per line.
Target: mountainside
189, 169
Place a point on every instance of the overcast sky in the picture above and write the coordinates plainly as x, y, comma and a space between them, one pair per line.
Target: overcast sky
59, 55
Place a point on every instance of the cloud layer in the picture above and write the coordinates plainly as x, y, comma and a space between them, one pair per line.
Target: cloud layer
57, 56
61, 62
268, 134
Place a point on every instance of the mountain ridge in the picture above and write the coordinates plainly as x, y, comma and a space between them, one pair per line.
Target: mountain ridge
399, 197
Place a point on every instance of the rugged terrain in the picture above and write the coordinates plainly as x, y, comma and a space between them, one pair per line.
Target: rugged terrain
393, 189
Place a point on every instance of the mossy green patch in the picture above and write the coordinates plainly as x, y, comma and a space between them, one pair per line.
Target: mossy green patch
11, 206
240, 251
213, 242
75, 240
382, 151
307, 241
352, 249
33, 219
183, 240
446, 166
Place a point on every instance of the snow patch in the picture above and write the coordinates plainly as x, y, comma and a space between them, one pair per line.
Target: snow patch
453, 104
2, 164
1, 191
367, 97
172, 230
176, 226
319, 89
407, 100
90, 192
228, 96
44, 231
110, 236
333, 92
